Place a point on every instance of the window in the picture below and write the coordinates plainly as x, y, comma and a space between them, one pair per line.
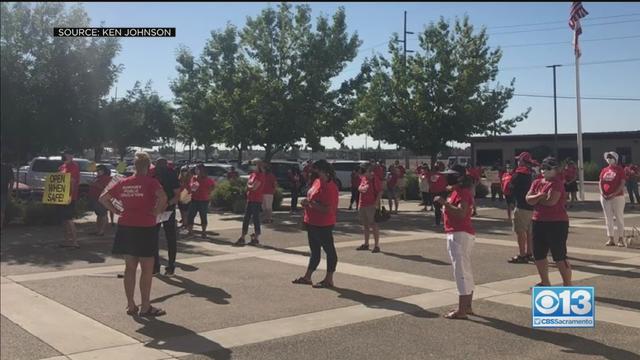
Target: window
345, 166
488, 157
47, 166
625, 155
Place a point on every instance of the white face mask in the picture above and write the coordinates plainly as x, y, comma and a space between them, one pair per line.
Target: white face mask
611, 161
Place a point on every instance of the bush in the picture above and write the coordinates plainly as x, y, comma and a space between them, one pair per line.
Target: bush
591, 171
481, 191
412, 187
277, 199
15, 209
227, 194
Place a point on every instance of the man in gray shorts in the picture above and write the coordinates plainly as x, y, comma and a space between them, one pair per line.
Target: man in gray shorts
520, 185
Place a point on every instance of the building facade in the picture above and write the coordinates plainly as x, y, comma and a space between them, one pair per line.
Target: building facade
489, 150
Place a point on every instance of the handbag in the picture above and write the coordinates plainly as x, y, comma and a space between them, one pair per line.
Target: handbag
382, 215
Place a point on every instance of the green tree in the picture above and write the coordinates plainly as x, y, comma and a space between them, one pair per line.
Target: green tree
291, 95
51, 87
446, 92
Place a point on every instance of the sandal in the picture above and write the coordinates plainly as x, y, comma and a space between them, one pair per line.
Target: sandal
621, 244
375, 250
469, 312
363, 247
454, 315
323, 285
518, 259
134, 311
153, 312
302, 281
610, 243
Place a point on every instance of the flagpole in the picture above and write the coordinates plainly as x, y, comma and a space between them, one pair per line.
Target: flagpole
580, 157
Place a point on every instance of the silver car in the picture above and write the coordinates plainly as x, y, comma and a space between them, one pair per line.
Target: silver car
40, 167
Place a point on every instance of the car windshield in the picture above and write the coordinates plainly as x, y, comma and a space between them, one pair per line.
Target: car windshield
45, 165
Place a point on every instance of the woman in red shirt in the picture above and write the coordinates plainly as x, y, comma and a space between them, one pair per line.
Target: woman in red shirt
370, 194
612, 184
270, 184
320, 209
95, 190
550, 225
143, 199
393, 188
200, 188
254, 204
460, 239
570, 180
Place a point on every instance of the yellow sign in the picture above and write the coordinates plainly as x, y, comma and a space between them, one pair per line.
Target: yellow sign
57, 189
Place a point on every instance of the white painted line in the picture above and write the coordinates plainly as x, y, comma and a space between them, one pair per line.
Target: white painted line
129, 352
570, 249
57, 358
525, 283
57, 325
603, 313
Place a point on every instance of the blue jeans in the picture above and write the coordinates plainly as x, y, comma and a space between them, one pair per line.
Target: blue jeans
252, 211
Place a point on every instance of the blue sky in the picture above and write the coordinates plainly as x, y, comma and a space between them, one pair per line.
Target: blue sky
154, 59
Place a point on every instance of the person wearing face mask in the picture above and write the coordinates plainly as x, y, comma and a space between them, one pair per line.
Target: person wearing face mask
612, 184
550, 222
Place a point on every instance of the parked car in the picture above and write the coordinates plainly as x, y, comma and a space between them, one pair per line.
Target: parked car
343, 169
218, 172
111, 168
40, 167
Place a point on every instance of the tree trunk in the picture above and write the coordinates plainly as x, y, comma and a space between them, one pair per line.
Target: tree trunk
268, 152
97, 153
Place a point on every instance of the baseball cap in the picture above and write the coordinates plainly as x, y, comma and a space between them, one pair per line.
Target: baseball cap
550, 162
524, 156
612, 154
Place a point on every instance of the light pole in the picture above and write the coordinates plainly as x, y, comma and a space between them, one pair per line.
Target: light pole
555, 112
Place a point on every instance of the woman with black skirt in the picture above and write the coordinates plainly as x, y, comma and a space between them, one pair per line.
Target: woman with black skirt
320, 208
142, 199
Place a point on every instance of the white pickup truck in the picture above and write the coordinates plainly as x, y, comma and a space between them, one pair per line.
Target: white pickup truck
34, 174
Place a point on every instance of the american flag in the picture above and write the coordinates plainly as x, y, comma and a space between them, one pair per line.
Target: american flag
577, 13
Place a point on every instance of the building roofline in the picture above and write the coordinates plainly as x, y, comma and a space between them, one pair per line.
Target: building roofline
590, 135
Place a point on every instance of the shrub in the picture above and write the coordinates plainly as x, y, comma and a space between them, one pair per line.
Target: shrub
481, 191
277, 199
591, 171
412, 187
227, 194
15, 209
37, 213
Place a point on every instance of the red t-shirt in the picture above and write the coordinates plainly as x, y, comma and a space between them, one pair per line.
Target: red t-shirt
255, 195
355, 180
326, 194
270, 183
369, 190
453, 223
138, 197
570, 173
475, 173
392, 181
401, 171
437, 183
232, 175
98, 185
378, 171
73, 169
550, 213
200, 188
505, 181
632, 172
610, 179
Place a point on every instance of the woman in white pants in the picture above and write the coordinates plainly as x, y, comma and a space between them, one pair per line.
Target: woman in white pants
612, 184
460, 238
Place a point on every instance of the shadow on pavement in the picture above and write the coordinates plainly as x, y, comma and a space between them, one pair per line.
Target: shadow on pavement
210, 293
416, 258
575, 344
379, 302
624, 303
164, 338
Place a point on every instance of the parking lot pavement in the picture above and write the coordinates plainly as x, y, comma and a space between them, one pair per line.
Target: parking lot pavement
239, 303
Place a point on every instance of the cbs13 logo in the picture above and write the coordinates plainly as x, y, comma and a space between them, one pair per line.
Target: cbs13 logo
563, 301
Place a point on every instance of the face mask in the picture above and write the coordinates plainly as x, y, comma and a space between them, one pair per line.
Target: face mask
611, 161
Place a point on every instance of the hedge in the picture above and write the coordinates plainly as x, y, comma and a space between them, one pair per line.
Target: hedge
36, 213
232, 196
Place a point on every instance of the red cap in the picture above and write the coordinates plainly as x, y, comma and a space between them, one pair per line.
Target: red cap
525, 156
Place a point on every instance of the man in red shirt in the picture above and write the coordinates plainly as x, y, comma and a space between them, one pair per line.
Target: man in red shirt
612, 184
67, 211
200, 188
255, 187
270, 185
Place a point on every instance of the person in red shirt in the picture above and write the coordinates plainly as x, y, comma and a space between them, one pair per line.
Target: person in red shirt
505, 184
612, 184
393, 188
570, 174
270, 185
255, 187
232, 175
305, 173
142, 199
438, 187
370, 194
550, 225
460, 239
423, 184
67, 211
475, 173
402, 184
632, 173
355, 183
95, 190
200, 188
320, 209
295, 179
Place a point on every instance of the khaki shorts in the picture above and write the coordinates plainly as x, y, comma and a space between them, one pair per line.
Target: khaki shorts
522, 220
367, 215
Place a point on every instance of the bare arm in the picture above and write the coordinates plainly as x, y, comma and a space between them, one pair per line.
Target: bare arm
534, 199
176, 197
105, 200
551, 199
457, 211
161, 203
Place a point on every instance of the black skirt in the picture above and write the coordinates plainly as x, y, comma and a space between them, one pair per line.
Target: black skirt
571, 187
136, 241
